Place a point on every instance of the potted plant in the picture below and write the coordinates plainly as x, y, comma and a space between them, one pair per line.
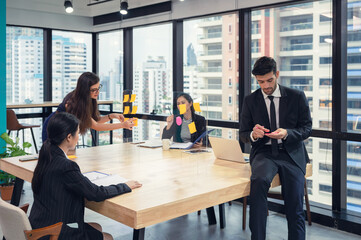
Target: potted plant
12, 149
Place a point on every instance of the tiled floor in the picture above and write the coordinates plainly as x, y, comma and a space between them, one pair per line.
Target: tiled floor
196, 227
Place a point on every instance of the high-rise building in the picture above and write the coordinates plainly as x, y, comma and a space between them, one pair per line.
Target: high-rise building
69, 62
27, 69
11, 34
218, 70
191, 56
152, 86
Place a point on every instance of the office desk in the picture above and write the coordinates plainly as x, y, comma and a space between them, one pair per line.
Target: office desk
174, 183
47, 109
45, 104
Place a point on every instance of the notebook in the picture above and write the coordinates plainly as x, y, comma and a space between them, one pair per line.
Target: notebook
189, 145
227, 149
151, 144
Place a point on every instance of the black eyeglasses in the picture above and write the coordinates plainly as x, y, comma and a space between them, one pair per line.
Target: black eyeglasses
94, 90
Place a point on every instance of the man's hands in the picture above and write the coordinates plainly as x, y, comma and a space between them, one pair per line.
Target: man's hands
260, 131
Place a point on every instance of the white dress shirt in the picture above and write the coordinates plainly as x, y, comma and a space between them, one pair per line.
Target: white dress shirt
277, 95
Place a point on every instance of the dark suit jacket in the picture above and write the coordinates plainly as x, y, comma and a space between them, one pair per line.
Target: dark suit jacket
61, 197
294, 116
174, 130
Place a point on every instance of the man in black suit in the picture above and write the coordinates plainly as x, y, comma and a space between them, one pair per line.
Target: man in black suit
276, 120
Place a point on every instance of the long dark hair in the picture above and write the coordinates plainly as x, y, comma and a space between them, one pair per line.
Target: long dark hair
81, 104
60, 126
189, 99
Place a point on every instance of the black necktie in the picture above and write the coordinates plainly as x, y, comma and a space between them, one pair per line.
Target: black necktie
273, 126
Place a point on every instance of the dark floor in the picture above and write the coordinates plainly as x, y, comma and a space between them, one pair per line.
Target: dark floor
192, 226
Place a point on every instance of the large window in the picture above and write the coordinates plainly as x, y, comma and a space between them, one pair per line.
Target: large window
211, 66
320, 153
110, 69
71, 57
24, 65
24, 72
152, 74
353, 105
299, 38
354, 176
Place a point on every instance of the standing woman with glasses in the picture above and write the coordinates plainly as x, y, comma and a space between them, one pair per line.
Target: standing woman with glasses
82, 102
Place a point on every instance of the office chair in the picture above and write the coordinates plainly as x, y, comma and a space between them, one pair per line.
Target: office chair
15, 224
12, 124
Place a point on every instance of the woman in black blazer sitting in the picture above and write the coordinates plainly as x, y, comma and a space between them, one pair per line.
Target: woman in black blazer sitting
181, 133
60, 188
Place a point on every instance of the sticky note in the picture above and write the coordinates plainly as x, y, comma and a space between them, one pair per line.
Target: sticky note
135, 121
192, 127
134, 109
182, 108
126, 98
178, 120
197, 107
126, 110
72, 156
132, 99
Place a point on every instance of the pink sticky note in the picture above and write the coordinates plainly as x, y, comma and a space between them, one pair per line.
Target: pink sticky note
178, 121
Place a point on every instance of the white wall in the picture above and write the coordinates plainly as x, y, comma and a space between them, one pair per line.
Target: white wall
48, 20
188, 8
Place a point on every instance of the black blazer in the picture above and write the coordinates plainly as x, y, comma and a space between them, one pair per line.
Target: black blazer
61, 198
174, 130
294, 116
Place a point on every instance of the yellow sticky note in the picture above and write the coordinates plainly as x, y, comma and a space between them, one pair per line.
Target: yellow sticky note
126, 110
72, 156
132, 99
135, 121
126, 98
134, 109
197, 107
126, 119
192, 127
182, 108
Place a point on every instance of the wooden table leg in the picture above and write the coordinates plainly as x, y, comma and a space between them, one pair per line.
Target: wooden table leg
138, 234
222, 218
211, 216
18, 187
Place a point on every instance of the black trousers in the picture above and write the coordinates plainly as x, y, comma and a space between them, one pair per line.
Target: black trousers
264, 167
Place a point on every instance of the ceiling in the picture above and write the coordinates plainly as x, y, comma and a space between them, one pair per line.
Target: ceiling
81, 7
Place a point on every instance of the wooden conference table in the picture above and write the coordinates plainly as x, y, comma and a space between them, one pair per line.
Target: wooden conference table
175, 183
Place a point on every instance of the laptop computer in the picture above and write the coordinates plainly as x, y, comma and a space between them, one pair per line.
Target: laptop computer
227, 149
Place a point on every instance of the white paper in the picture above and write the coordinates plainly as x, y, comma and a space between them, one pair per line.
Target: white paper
181, 145
103, 179
94, 175
152, 144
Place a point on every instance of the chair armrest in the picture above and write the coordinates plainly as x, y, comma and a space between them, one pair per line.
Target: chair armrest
25, 207
53, 231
